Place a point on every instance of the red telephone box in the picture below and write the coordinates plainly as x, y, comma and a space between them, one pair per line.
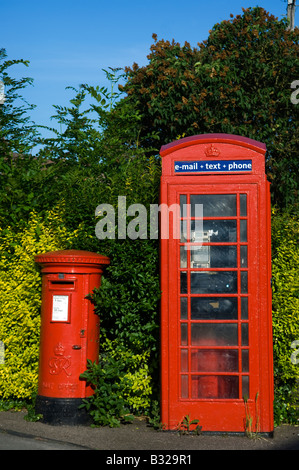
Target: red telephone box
216, 324
69, 332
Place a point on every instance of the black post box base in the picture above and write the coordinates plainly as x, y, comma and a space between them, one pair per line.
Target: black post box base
59, 411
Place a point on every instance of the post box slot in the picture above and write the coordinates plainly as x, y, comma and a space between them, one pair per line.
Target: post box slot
62, 284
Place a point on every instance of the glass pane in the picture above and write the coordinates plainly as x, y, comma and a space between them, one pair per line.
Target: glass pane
184, 360
245, 386
183, 257
244, 334
216, 231
184, 334
184, 386
243, 230
215, 360
243, 256
228, 386
244, 282
213, 386
183, 202
214, 257
183, 282
214, 308
215, 205
204, 386
184, 308
210, 282
184, 233
244, 308
214, 334
200, 256
243, 205
245, 360
224, 256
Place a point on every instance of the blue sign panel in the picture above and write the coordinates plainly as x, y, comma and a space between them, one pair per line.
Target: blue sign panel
212, 166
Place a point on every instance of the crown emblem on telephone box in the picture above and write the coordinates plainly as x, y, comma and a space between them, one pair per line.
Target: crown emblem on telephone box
212, 151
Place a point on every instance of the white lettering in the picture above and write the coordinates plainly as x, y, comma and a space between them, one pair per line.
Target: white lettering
138, 227
121, 219
294, 99
294, 358
139, 221
165, 221
117, 460
108, 221
239, 166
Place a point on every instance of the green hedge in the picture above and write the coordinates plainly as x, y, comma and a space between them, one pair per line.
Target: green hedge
20, 298
285, 262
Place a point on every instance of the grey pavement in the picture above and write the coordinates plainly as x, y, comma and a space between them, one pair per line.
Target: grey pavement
18, 434
19, 441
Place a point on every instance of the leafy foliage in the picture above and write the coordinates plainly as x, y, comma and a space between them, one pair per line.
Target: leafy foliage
238, 81
17, 137
163, 92
285, 260
129, 310
17, 132
107, 405
122, 385
20, 298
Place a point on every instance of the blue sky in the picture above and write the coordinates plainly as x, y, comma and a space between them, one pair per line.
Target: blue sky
69, 42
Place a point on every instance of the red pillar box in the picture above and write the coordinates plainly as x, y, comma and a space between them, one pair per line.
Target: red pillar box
69, 332
216, 325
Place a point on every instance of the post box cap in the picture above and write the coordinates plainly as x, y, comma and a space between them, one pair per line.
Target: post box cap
72, 257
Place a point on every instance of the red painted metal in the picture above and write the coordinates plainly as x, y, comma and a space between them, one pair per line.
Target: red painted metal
69, 326
205, 374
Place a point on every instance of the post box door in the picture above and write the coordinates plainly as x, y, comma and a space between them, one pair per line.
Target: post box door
213, 326
64, 336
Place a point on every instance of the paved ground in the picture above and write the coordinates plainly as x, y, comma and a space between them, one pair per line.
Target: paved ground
131, 437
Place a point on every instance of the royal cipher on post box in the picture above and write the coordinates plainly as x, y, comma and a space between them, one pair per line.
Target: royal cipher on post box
216, 325
69, 332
